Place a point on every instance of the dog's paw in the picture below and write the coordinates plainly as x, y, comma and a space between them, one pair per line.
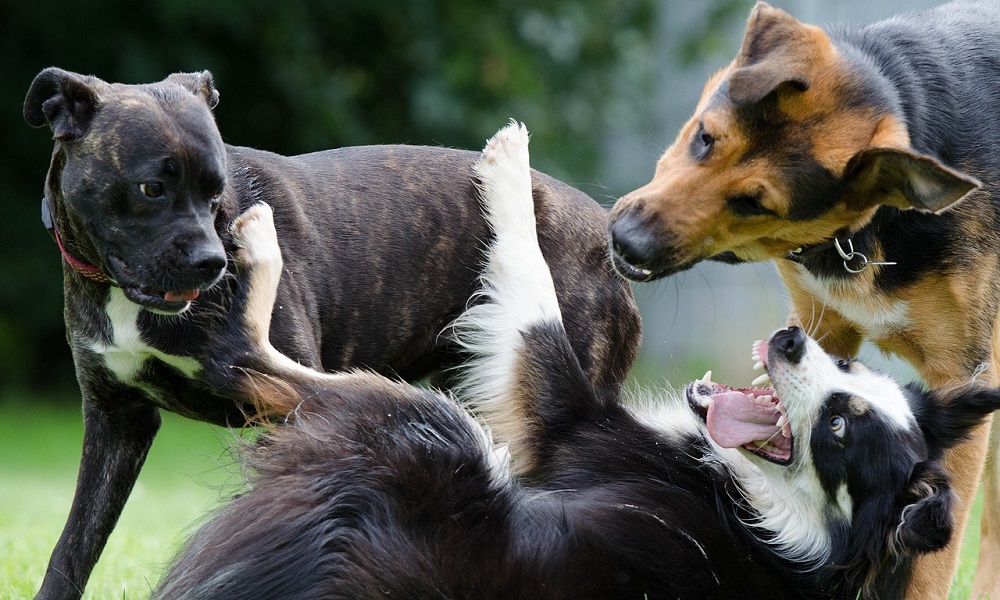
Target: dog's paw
255, 238
504, 173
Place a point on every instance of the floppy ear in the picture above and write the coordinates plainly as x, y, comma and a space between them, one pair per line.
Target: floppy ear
946, 415
65, 101
904, 179
775, 52
926, 521
200, 84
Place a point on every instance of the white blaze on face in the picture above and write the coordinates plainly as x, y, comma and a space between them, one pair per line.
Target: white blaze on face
805, 386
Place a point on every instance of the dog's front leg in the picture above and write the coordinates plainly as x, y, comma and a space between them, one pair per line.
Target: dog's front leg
115, 443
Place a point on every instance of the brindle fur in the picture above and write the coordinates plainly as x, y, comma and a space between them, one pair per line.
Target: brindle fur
885, 135
381, 253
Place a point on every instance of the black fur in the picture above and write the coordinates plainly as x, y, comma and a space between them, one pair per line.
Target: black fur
379, 490
935, 70
376, 243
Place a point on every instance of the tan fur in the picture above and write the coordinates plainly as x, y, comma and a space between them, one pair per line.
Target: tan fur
940, 324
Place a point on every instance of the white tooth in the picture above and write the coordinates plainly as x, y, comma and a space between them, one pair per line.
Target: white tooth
786, 431
763, 380
708, 376
782, 421
752, 398
759, 365
765, 401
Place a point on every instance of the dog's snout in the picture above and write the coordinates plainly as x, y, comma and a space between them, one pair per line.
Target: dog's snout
207, 263
631, 240
791, 343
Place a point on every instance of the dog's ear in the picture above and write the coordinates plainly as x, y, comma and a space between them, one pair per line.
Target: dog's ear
926, 521
775, 53
947, 415
905, 179
200, 84
64, 101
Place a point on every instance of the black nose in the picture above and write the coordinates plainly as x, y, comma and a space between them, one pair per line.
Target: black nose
632, 241
207, 263
791, 343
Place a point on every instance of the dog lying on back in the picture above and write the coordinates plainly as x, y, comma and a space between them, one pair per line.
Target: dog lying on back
866, 163
823, 486
378, 245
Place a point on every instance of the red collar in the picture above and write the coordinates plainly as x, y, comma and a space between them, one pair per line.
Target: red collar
89, 271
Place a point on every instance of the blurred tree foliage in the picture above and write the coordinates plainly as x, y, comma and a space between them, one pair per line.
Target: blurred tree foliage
302, 75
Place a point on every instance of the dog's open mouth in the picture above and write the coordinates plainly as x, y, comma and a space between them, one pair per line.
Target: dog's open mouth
162, 301
630, 272
751, 418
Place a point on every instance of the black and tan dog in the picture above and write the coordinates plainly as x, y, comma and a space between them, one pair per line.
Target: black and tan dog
379, 247
843, 154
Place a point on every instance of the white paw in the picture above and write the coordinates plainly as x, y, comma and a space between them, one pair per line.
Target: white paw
504, 174
256, 239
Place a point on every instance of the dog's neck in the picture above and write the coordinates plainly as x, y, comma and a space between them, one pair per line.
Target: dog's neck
89, 271
821, 258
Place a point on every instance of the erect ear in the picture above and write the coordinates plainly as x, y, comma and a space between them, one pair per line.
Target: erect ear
947, 415
905, 179
65, 101
926, 521
776, 51
200, 84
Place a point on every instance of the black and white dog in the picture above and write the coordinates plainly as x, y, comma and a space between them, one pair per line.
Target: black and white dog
825, 484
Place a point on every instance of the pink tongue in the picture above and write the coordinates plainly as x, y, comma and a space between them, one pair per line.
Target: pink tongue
182, 296
735, 421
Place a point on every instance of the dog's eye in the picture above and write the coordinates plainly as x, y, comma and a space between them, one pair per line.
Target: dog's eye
214, 201
748, 205
153, 189
838, 425
702, 143
844, 365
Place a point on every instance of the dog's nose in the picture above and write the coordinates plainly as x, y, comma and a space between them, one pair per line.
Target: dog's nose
791, 343
631, 241
207, 263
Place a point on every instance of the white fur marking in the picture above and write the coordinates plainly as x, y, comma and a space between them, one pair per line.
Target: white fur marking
516, 288
877, 316
126, 354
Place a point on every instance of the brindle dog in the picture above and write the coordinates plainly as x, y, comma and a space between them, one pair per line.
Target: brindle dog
380, 247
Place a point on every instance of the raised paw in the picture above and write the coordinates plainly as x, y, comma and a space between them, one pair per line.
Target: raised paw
504, 174
256, 240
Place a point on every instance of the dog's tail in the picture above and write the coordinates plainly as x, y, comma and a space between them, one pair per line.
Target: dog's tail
522, 376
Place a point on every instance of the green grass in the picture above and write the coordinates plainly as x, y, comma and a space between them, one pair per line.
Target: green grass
188, 473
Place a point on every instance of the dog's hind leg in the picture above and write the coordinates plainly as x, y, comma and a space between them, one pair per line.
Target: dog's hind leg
521, 365
241, 362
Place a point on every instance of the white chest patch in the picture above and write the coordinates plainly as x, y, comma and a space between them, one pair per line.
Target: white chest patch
126, 354
873, 313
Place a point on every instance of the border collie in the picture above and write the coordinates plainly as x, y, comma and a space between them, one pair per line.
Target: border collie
824, 482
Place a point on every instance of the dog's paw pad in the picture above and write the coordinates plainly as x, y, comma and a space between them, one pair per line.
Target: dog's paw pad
504, 173
510, 143
254, 236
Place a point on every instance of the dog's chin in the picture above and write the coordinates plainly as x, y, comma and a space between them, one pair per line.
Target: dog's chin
152, 298
728, 258
642, 274
155, 301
